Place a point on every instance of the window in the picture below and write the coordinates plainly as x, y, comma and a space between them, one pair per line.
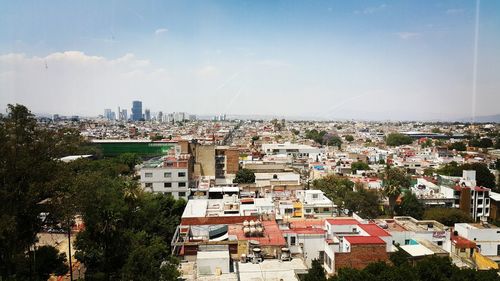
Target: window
308, 210
293, 240
148, 175
462, 250
407, 242
315, 196
182, 184
181, 174
167, 184
167, 175
498, 250
182, 194
440, 243
328, 261
149, 184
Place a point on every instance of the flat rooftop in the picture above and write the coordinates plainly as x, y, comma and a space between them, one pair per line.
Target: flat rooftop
272, 270
272, 234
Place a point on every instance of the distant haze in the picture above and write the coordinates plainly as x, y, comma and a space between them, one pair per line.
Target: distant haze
318, 59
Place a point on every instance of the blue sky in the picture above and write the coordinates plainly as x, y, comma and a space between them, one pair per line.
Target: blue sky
328, 59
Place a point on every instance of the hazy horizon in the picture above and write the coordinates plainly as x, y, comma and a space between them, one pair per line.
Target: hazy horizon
411, 60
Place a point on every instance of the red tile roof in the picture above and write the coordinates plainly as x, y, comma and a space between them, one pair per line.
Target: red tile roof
364, 240
374, 230
307, 223
461, 242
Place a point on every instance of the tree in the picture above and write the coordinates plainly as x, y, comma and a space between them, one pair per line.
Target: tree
355, 166
447, 216
410, 206
436, 130
335, 187
349, 138
483, 175
458, 146
396, 139
129, 159
332, 140
426, 143
295, 132
399, 257
29, 174
429, 171
450, 169
49, 261
315, 135
244, 176
481, 142
316, 272
363, 202
394, 179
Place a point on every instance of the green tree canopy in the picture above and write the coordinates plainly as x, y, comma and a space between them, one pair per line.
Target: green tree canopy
396, 139
447, 216
410, 206
349, 138
363, 202
244, 176
316, 272
362, 166
335, 187
394, 180
458, 146
483, 175
481, 142
29, 174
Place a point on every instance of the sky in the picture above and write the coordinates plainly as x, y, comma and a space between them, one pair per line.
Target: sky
323, 59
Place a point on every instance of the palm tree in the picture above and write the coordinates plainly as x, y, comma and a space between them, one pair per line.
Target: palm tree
394, 179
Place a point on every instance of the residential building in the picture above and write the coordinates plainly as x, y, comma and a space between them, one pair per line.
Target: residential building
484, 235
168, 175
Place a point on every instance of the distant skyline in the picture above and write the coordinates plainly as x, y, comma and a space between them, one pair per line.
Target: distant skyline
325, 59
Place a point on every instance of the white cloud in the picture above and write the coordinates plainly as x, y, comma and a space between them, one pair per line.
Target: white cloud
207, 71
73, 81
408, 35
371, 10
273, 63
454, 11
160, 31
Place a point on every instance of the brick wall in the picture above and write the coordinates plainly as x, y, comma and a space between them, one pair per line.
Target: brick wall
360, 256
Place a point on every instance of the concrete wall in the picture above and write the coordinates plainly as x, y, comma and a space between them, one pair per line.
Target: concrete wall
205, 158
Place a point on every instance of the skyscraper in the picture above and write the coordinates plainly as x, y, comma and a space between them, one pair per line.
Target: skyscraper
147, 115
136, 110
123, 115
108, 114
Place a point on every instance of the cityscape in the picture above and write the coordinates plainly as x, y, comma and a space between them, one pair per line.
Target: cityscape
250, 141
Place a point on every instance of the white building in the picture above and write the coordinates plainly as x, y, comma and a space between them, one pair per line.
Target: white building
168, 175
293, 150
486, 237
314, 202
